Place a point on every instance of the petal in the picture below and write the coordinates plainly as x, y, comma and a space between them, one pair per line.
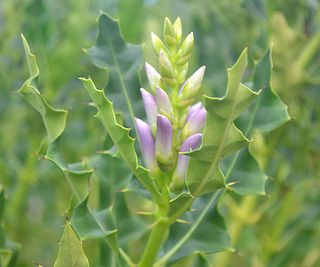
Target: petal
146, 143
153, 76
164, 103
150, 107
164, 140
191, 143
195, 122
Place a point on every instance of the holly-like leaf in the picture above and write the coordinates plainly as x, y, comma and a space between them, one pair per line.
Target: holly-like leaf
54, 119
94, 225
122, 61
265, 114
119, 135
221, 136
71, 252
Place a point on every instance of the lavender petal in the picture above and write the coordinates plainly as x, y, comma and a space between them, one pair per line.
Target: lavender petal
150, 107
163, 140
146, 143
191, 143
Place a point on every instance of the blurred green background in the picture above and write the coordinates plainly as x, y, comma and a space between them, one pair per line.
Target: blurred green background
279, 229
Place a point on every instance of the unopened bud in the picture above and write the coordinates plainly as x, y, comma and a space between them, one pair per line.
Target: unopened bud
153, 77
169, 34
192, 86
192, 143
164, 142
177, 25
164, 103
187, 45
150, 107
157, 44
195, 121
166, 68
146, 143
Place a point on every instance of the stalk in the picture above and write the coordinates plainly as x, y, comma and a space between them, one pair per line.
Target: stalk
156, 239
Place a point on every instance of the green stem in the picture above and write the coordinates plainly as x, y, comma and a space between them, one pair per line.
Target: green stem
157, 236
309, 52
213, 201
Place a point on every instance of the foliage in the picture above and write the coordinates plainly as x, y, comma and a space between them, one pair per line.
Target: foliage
251, 189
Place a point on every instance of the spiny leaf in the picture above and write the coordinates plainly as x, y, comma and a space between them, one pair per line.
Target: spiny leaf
71, 252
54, 119
122, 61
265, 114
119, 135
94, 225
221, 136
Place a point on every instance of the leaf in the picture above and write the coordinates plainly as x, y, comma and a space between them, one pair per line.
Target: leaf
267, 112
76, 174
122, 61
94, 225
71, 252
8, 249
221, 136
54, 119
119, 135
246, 175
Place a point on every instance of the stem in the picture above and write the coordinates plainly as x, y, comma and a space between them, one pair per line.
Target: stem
310, 50
213, 201
157, 236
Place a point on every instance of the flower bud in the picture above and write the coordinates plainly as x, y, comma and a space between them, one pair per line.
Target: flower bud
146, 143
177, 25
187, 45
157, 43
169, 34
192, 86
150, 107
164, 142
193, 142
166, 68
195, 121
153, 76
164, 103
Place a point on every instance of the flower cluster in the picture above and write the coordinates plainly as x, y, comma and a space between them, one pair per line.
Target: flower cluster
175, 123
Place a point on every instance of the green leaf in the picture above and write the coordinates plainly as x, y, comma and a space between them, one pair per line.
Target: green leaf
119, 135
54, 119
5, 257
71, 252
76, 174
221, 136
246, 175
94, 225
122, 61
267, 112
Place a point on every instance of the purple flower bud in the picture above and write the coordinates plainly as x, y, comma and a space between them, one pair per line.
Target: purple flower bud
150, 107
194, 108
195, 121
191, 143
153, 76
146, 143
163, 140
164, 103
